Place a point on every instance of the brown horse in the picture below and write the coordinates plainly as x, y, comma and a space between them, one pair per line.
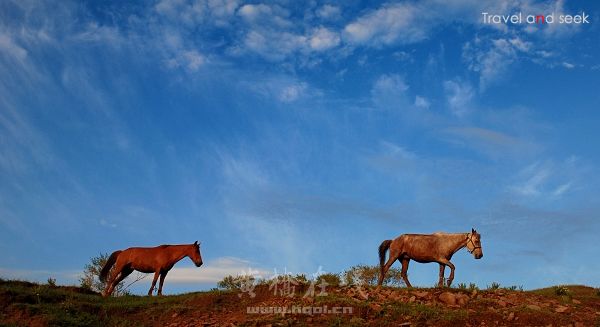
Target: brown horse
158, 260
437, 247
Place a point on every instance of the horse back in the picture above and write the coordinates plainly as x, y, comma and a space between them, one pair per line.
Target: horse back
419, 247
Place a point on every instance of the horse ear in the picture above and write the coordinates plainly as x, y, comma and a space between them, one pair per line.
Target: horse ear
196, 243
473, 230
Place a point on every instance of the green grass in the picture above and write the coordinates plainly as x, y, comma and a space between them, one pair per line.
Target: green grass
71, 306
422, 313
68, 306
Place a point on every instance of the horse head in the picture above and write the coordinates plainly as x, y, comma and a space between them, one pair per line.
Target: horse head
474, 244
195, 255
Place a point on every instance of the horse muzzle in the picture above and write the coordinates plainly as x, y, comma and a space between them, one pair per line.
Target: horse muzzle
199, 264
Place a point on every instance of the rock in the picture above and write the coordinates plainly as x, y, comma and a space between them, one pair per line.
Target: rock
375, 307
447, 298
463, 299
561, 309
421, 295
412, 299
502, 303
511, 316
174, 315
576, 301
474, 293
579, 324
534, 307
405, 324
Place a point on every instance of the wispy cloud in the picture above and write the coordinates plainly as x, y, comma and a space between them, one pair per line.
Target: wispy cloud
492, 143
459, 95
10, 48
392, 23
329, 12
536, 177
491, 58
422, 102
550, 179
215, 270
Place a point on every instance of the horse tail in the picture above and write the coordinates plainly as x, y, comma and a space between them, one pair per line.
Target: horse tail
385, 245
109, 263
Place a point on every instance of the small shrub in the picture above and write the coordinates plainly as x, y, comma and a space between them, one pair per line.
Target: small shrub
232, 283
493, 286
91, 277
51, 282
598, 292
462, 286
514, 288
562, 291
369, 275
473, 286
301, 278
330, 279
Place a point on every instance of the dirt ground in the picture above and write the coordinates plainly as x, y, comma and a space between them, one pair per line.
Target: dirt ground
341, 306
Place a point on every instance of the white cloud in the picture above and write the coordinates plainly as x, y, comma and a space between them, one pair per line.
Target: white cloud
395, 23
389, 91
550, 180
64, 277
324, 39
274, 45
215, 270
491, 58
536, 176
568, 65
222, 9
329, 12
389, 84
458, 95
281, 88
293, 92
192, 13
101, 34
421, 102
254, 12
193, 60
562, 189
105, 223
9, 47
263, 16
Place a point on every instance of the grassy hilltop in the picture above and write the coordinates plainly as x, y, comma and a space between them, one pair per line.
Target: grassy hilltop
32, 304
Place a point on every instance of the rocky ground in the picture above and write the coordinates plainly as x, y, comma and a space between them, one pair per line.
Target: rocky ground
555, 306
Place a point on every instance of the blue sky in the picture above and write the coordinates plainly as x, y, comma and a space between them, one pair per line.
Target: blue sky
288, 135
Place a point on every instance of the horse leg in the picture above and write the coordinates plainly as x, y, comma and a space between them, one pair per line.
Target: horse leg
162, 280
451, 277
394, 254
404, 271
125, 271
441, 280
446, 262
153, 283
114, 275
108, 289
